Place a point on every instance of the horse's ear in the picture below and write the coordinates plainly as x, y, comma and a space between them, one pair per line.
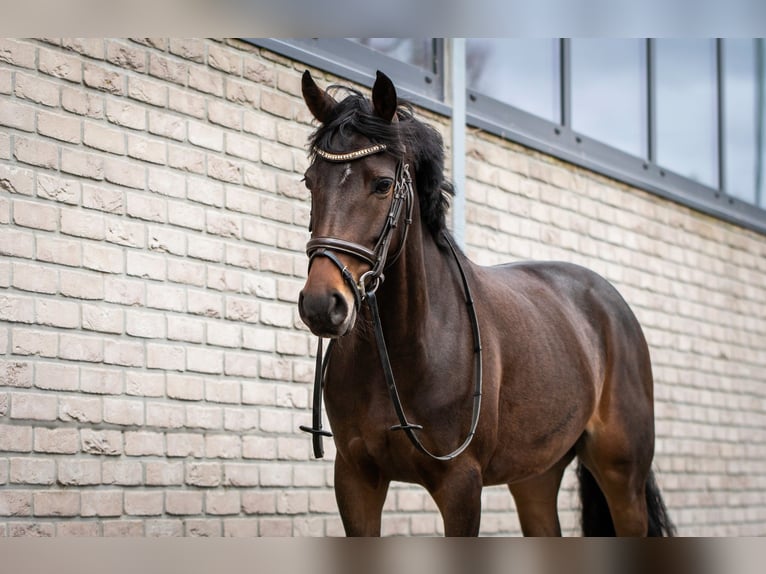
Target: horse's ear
384, 97
319, 102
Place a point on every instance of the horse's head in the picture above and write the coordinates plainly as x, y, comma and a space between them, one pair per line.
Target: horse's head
361, 197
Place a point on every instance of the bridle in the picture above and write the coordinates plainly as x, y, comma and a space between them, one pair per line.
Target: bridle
364, 291
377, 256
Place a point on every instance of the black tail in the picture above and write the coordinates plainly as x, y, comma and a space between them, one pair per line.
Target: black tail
596, 520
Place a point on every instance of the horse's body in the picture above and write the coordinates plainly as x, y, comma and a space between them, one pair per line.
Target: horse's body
566, 369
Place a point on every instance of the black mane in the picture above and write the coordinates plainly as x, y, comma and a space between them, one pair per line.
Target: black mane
406, 137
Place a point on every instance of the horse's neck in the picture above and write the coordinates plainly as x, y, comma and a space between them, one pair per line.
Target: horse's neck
418, 286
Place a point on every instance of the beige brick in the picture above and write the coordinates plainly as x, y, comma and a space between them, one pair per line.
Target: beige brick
123, 411
259, 124
81, 285
122, 472
127, 233
61, 251
165, 415
188, 48
37, 89
79, 472
210, 418
35, 215
185, 329
161, 296
91, 47
32, 471
40, 343
186, 272
167, 125
226, 115
224, 59
186, 159
83, 164
147, 91
205, 249
57, 313
277, 104
241, 475
15, 503
204, 81
186, 102
36, 152
276, 475
240, 528
205, 191
145, 385
264, 448
17, 116
35, 278
103, 79
100, 381
81, 348
58, 189
15, 373
101, 503
224, 169
123, 528
101, 318
81, 102
223, 446
224, 334
206, 136
185, 445
245, 365
221, 503
100, 137
56, 64
56, 503
125, 173
126, 56
183, 503
162, 528
14, 438
57, 441
166, 182
5, 146
203, 528
243, 93
143, 503
82, 224
124, 353
184, 215
146, 207
163, 239
166, 357
168, 69
102, 258
203, 474
126, 114
146, 325
143, 443
6, 82
241, 419
80, 409
59, 126
164, 473
242, 146
203, 360
34, 406
151, 150
17, 52
185, 387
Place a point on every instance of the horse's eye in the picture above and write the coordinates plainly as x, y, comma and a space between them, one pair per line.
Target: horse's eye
383, 186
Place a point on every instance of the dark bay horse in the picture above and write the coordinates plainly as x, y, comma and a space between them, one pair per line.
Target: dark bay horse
565, 367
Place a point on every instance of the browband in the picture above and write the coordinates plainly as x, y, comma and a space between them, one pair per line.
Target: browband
348, 156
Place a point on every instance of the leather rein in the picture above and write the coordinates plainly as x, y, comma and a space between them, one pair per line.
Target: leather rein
364, 291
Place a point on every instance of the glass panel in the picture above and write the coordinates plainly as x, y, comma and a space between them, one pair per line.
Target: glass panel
686, 108
522, 72
414, 51
609, 92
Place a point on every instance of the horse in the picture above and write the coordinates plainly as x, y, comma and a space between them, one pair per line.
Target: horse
452, 375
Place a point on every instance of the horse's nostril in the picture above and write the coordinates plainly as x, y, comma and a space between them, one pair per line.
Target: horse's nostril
338, 309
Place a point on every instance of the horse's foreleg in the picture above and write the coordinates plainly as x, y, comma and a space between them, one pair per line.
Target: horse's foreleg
536, 500
458, 497
360, 493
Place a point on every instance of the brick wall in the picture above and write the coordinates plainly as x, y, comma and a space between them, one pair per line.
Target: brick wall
153, 370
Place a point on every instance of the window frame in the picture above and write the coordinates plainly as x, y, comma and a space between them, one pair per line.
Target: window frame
357, 63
